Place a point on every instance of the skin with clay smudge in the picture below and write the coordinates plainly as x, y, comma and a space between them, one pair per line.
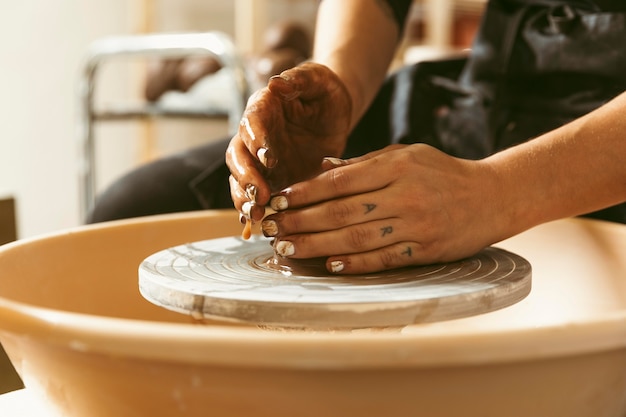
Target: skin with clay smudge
287, 129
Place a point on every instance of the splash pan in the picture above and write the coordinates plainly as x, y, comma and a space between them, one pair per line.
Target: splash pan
234, 279
86, 342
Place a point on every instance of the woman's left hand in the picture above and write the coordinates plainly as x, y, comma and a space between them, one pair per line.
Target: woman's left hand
403, 205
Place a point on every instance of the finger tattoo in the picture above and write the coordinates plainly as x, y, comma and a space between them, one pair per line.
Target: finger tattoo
386, 230
408, 252
369, 207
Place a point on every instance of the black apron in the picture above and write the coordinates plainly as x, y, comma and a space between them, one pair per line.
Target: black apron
534, 66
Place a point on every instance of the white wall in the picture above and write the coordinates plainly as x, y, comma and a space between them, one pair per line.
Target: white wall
42, 43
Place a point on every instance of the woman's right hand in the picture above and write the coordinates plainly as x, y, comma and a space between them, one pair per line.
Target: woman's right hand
287, 128
399, 206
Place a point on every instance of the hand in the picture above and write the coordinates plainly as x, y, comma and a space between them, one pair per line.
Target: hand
287, 128
403, 205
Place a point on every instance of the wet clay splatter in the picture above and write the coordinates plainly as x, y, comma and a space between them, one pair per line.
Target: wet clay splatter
247, 230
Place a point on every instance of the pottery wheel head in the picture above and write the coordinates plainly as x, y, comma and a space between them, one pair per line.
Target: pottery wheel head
237, 280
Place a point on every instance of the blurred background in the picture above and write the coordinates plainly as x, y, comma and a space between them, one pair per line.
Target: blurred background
44, 45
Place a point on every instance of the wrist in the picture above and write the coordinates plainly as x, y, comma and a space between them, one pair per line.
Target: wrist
522, 189
354, 86
509, 212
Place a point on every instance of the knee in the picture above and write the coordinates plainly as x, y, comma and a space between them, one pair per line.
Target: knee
156, 188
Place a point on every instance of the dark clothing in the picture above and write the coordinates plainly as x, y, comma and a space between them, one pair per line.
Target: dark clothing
604, 5
400, 9
529, 71
194, 180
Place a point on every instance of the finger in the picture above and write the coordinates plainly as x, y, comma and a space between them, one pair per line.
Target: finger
245, 170
336, 214
237, 193
242, 201
260, 118
329, 163
305, 81
352, 239
354, 178
397, 255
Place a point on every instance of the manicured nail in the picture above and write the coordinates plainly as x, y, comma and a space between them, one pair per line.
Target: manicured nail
269, 228
246, 209
260, 154
285, 248
336, 266
265, 157
251, 193
335, 161
282, 76
279, 203
291, 93
329, 163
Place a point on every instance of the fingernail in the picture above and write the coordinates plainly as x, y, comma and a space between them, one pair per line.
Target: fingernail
242, 218
329, 163
335, 161
246, 209
269, 228
279, 203
281, 76
290, 92
260, 154
251, 193
336, 266
265, 158
285, 248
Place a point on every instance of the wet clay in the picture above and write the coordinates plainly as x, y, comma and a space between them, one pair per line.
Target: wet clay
246, 282
315, 267
247, 230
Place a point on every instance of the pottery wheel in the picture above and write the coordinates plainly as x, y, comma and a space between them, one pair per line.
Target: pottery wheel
236, 280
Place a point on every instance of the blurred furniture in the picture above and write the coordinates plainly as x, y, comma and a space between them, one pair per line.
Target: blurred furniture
8, 229
436, 29
9, 380
444, 20
176, 45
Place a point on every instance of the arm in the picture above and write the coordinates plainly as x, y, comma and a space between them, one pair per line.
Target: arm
423, 206
357, 39
576, 169
307, 112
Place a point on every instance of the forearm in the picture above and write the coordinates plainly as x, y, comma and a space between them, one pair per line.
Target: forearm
576, 169
357, 40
